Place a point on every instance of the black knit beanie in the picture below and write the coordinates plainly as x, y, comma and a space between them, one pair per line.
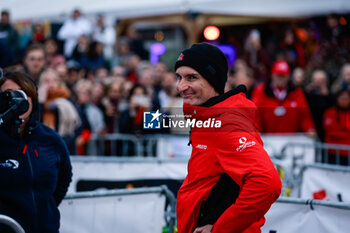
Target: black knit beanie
209, 61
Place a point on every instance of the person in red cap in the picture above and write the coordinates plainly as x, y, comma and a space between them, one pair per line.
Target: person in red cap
282, 107
231, 181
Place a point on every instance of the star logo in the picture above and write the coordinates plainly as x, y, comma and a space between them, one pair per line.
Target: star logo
156, 115
151, 120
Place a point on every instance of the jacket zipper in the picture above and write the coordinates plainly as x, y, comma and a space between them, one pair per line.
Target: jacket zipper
27, 154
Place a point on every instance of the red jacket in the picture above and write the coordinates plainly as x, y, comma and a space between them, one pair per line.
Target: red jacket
292, 115
237, 150
336, 124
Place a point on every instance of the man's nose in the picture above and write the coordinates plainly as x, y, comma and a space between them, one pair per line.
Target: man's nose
181, 86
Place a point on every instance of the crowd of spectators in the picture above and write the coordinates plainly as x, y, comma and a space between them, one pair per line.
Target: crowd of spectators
96, 84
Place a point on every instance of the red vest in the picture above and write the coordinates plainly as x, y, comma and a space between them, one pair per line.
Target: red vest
292, 115
336, 124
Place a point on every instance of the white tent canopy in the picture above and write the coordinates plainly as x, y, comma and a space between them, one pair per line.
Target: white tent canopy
43, 9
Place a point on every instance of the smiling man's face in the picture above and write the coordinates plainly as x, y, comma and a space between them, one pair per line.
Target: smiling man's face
193, 87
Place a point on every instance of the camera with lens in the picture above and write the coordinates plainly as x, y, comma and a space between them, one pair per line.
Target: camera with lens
12, 105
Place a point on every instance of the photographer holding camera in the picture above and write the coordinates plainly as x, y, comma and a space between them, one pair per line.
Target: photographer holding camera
35, 167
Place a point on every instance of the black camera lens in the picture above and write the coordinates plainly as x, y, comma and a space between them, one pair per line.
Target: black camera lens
12, 105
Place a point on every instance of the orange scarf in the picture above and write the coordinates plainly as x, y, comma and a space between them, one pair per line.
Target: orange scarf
49, 117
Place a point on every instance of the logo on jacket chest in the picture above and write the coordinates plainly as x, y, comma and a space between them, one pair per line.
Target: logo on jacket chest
203, 147
10, 163
244, 144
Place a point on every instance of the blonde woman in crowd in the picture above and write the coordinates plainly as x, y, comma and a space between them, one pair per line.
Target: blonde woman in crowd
93, 122
57, 111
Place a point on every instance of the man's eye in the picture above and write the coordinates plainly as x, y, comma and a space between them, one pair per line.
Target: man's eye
178, 77
192, 77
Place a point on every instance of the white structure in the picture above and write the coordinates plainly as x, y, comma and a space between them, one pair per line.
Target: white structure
41, 9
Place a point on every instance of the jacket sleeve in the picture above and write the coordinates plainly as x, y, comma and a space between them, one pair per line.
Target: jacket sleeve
244, 159
64, 173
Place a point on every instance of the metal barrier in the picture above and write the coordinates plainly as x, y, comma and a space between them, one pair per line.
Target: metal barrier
274, 143
311, 203
169, 212
290, 215
298, 147
13, 224
162, 145
290, 152
324, 181
295, 156
148, 144
333, 153
92, 172
318, 153
130, 145
109, 143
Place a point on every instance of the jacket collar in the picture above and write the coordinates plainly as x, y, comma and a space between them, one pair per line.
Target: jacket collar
213, 106
220, 98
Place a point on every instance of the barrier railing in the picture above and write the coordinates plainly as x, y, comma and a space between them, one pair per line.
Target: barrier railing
333, 153
102, 208
287, 215
289, 152
325, 182
92, 172
290, 215
311, 203
159, 144
295, 156
150, 145
316, 152
116, 144
301, 207
298, 147
13, 224
274, 144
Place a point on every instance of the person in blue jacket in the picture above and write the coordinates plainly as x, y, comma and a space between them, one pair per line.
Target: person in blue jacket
35, 168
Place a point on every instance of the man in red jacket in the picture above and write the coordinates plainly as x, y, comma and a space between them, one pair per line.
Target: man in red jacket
283, 108
231, 181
